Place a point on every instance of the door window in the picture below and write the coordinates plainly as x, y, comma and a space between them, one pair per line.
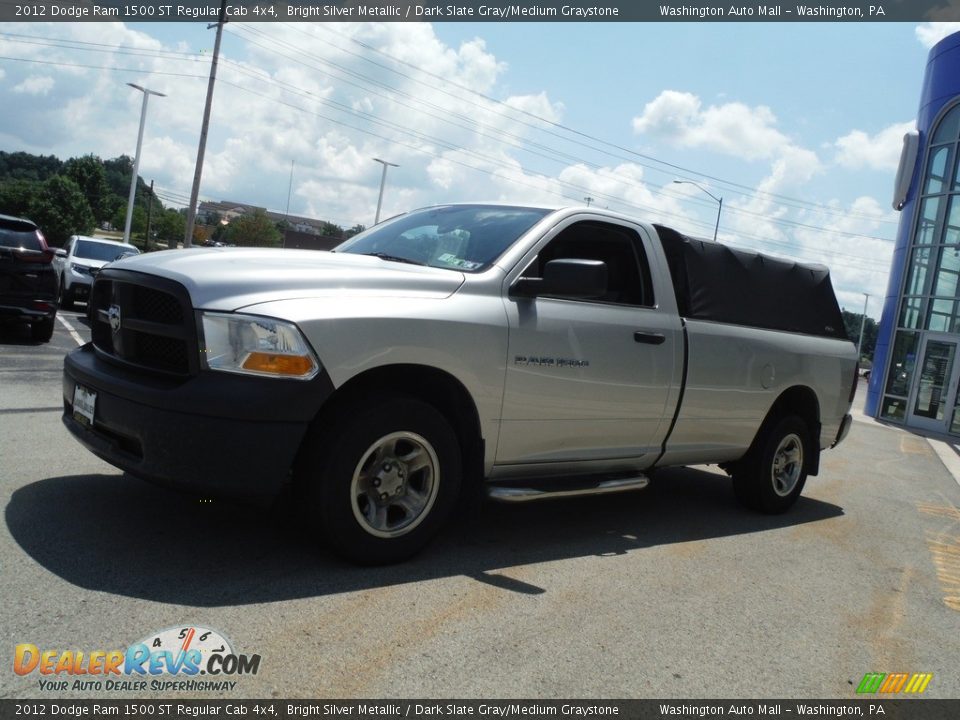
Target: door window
628, 274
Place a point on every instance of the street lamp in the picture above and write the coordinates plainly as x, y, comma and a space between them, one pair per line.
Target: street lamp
136, 158
863, 322
718, 199
383, 182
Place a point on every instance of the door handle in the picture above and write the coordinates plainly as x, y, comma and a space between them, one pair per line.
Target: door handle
648, 338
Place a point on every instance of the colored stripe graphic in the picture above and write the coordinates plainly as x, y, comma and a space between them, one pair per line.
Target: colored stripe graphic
914, 683
894, 683
871, 682
918, 683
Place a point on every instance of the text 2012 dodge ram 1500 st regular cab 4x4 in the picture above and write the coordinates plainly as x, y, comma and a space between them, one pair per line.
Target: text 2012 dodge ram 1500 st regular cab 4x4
528, 351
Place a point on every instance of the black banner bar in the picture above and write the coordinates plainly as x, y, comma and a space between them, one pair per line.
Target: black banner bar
480, 11
874, 707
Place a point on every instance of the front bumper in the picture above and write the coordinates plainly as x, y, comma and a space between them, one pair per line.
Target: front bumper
212, 433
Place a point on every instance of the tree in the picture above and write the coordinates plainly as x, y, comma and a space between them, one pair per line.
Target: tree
252, 230
60, 209
331, 229
138, 223
15, 196
851, 322
24, 166
355, 230
90, 176
169, 225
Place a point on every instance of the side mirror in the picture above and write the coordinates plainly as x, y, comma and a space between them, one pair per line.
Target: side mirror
60, 252
567, 279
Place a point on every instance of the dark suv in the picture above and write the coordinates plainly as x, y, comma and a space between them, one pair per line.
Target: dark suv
28, 282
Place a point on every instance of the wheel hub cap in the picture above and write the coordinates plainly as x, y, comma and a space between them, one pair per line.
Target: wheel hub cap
395, 484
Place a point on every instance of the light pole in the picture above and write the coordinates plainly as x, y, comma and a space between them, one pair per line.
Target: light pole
383, 182
863, 322
136, 158
718, 199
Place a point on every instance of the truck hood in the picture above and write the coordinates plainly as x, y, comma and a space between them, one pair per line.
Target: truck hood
233, 278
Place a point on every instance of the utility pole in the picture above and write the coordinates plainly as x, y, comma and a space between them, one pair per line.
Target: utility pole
863, 322
146, 242
383, 182
195, 191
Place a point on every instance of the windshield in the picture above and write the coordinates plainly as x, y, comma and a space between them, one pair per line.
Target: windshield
103, 251
466, 238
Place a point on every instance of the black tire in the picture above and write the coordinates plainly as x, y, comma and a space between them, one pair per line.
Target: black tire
66, 297
772, 475
380, 483
42, 331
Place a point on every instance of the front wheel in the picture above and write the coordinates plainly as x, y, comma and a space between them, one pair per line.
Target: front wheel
380, 483
772, 475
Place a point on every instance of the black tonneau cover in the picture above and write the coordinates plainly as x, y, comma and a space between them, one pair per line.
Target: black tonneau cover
723, 284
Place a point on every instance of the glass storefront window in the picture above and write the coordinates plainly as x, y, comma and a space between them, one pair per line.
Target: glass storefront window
948, 273
894, 409
937, 172
951, 234
927, 222
902, 360
949, 127
919, 265
911, 312
942, 315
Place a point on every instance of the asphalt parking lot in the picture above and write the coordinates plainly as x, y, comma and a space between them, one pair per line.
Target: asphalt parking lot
672, 592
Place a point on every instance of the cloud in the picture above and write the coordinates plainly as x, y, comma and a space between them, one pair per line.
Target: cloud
35, 85
929, 34
538, 105
732, 128
858, 150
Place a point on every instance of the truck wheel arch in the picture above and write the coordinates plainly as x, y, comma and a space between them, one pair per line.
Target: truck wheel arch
435, 387
801, 401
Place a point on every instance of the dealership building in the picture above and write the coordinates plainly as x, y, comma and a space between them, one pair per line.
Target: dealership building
916, 365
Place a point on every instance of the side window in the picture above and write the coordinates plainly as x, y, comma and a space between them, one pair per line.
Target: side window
68, 245
620, 249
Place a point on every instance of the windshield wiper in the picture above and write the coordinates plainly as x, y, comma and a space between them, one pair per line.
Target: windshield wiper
394, 258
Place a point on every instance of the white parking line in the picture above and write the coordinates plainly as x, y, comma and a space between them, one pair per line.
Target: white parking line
948, 456
71, 329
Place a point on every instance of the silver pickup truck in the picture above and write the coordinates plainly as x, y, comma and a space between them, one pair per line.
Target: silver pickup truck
525, 352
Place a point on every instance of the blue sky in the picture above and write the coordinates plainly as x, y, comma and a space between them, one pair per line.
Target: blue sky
797, 126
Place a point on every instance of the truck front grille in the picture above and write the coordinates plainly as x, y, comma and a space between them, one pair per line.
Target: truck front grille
143, 321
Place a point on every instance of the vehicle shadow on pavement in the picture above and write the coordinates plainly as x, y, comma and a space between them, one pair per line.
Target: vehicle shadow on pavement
116, 534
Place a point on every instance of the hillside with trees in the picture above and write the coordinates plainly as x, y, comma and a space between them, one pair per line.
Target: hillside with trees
76, 196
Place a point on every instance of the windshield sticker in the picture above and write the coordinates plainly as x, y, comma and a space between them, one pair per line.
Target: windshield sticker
453, 261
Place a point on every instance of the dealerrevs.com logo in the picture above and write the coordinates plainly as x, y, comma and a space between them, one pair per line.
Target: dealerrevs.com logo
179, 658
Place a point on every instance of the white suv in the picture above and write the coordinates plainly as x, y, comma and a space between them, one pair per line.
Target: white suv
78, 261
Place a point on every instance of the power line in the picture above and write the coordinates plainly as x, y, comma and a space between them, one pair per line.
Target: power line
649, 188
674, 167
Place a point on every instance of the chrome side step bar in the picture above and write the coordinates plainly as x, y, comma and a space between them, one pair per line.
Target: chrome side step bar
515, 494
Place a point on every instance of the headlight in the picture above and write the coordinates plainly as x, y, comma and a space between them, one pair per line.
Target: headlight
255, 346
80, 269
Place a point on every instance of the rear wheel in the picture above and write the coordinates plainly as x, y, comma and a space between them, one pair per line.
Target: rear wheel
772, 475
42, 331
380, 483
66, 297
